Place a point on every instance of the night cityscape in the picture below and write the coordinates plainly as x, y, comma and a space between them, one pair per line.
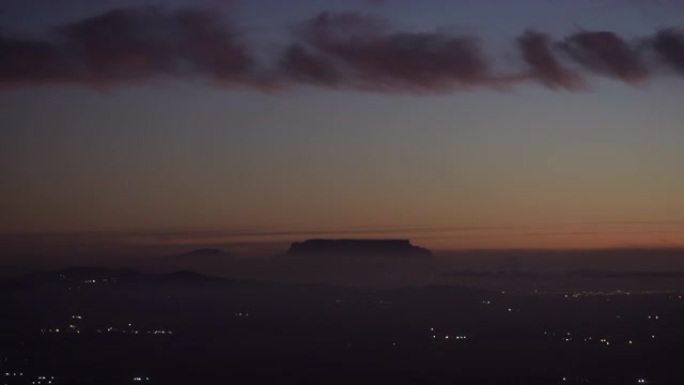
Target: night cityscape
341, 192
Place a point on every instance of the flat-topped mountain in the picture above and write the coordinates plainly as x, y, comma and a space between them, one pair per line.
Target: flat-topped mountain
360, 247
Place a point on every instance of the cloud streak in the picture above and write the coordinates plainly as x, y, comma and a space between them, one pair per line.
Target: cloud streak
607, 54
130, 46
669, 44
364, 54
537, 51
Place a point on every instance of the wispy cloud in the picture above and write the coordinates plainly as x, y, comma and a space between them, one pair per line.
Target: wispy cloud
669, 44
608, 54
537, 51
126, 46
365, 54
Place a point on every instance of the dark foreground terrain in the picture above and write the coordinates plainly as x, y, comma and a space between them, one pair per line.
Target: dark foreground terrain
100, 326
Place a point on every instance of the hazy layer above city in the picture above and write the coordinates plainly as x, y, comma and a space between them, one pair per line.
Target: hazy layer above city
522, 270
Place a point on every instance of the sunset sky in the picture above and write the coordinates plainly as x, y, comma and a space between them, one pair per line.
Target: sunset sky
457, 124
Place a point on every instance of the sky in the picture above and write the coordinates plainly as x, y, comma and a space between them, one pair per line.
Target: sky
458, 124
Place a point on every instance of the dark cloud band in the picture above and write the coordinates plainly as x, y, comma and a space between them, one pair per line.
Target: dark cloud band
345, 50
